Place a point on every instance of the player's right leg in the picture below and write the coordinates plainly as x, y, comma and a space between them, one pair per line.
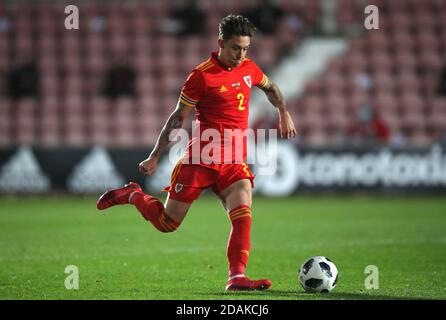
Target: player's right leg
117, 196
165, 219
184, 189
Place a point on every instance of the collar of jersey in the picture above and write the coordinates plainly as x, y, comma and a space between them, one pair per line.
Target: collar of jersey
214, 56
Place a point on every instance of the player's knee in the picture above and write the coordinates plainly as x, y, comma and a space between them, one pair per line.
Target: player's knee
243, 196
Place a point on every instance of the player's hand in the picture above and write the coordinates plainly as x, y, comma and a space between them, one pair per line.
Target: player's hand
148, 166
286, 126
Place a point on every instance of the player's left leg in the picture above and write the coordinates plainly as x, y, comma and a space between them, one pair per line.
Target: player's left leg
237, 198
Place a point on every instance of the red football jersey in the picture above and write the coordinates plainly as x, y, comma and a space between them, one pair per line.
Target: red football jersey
220, 95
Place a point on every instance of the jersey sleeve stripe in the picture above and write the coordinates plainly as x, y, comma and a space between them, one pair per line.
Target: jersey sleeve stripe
187, 98
264, 81
187, 103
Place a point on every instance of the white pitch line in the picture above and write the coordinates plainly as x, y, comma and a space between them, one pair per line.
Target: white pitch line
104, 255
210, 249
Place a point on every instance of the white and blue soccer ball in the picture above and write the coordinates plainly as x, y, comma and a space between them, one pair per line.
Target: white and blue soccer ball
318, 275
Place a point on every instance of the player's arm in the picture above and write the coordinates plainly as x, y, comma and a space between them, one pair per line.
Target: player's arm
286, 124
175, 121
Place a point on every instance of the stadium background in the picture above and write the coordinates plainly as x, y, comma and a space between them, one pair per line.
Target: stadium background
79, 109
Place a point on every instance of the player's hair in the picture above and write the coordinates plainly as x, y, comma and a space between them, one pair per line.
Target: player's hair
235, 25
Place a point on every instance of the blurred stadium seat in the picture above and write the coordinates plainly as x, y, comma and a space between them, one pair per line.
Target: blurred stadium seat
387, 68
394, 69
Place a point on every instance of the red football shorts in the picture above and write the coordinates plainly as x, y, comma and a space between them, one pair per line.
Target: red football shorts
189, 180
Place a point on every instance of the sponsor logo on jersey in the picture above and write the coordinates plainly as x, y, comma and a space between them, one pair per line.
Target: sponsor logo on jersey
223, 89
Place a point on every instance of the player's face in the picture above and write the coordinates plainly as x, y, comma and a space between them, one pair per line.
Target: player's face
233, 50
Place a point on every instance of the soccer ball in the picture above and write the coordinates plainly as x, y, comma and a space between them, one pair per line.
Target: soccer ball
318, 274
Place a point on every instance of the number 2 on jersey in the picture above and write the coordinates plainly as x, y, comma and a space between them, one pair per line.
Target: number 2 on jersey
241, 98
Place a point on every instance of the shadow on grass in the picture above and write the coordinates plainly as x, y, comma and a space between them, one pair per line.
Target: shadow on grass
299, 295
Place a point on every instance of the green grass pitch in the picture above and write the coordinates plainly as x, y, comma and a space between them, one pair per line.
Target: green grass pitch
121, 256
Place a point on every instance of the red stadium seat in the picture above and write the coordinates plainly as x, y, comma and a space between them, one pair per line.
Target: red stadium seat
47, 45
73, 84
420, 138
333, 82
412, 101
49, 137
98, 128
99, 106
118, 44
312, 87
395, 6
24, 128
23, 43
378, 41
95, 65
377, 65
47, 126
94, 44
357, 44
430, 60
404, 60
312, 103
147, 104
380, 62
5, 131
338, 120
49, 104
316, 138
423, 20
336, 102
407, 82
144, 64
413, 120
357, 99
167, 62
356, 62
72, 106
402, 40
383, 82
146, 85
71, 44
385, 102
400, 21
427, 42
170, 85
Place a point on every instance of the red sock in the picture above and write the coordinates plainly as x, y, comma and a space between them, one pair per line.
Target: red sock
239, 239
153, 210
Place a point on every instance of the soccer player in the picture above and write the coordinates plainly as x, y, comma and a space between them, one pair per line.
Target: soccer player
219, 90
